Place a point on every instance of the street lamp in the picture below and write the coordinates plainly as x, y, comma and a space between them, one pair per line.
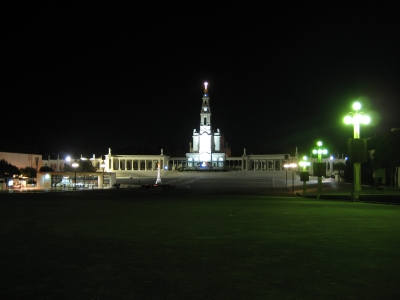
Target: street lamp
304, 175
321, 168
356, 118
102, 166
75, 165
286, 166
291, 166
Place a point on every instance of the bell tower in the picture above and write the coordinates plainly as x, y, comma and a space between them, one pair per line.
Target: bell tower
207, 151
205, 113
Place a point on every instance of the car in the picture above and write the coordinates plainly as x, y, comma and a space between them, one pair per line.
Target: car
329, 176
158, 186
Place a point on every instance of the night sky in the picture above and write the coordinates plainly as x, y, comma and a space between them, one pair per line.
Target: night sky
80, 79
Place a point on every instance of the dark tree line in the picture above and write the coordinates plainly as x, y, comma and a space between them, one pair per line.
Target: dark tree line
387, 155
7, 169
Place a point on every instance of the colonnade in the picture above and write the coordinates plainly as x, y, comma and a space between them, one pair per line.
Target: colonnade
135, 163
258, 162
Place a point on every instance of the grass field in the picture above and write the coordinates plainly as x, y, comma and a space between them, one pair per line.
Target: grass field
124, 244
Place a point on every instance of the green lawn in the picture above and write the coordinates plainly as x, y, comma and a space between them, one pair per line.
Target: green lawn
132, 245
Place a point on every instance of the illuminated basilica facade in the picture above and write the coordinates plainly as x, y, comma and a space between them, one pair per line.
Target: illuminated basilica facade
208, 151
208, 147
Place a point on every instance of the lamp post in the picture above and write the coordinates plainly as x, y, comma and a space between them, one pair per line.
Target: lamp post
286, 166
304, 164
319, 151
103, 166
291, 166
356, 118
75, 165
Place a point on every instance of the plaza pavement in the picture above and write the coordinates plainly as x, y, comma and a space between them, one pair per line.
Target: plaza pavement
213, 237
241, 182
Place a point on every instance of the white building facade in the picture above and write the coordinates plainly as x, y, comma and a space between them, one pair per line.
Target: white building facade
207, 149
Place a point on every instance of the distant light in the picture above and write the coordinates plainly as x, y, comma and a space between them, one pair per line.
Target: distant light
305, 157
165, 168
205, 85
359, 118
366, 119
47, 176
292, 165
319, 144
68, 158
331, 157
348, 119
356, 105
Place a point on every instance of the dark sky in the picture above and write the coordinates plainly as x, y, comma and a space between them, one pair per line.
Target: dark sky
84, 78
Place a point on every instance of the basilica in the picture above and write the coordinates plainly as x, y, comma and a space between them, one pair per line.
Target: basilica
208, 151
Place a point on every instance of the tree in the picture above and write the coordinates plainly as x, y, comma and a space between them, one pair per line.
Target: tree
28, 172
387, 154
46, 169
339, 167
84, 166
68, 168
7, 169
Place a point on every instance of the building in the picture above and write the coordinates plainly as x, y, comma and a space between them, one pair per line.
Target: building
23, 160
207, 151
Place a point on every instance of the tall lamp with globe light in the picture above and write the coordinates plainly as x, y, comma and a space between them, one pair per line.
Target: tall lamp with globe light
75, 165
357, 146
291, 166
103, 166
304, 175
320, 166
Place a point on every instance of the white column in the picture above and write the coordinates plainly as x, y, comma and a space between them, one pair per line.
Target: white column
100, 180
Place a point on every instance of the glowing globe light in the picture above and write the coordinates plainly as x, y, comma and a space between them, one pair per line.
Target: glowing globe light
356, 117
348, 119
356, 105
